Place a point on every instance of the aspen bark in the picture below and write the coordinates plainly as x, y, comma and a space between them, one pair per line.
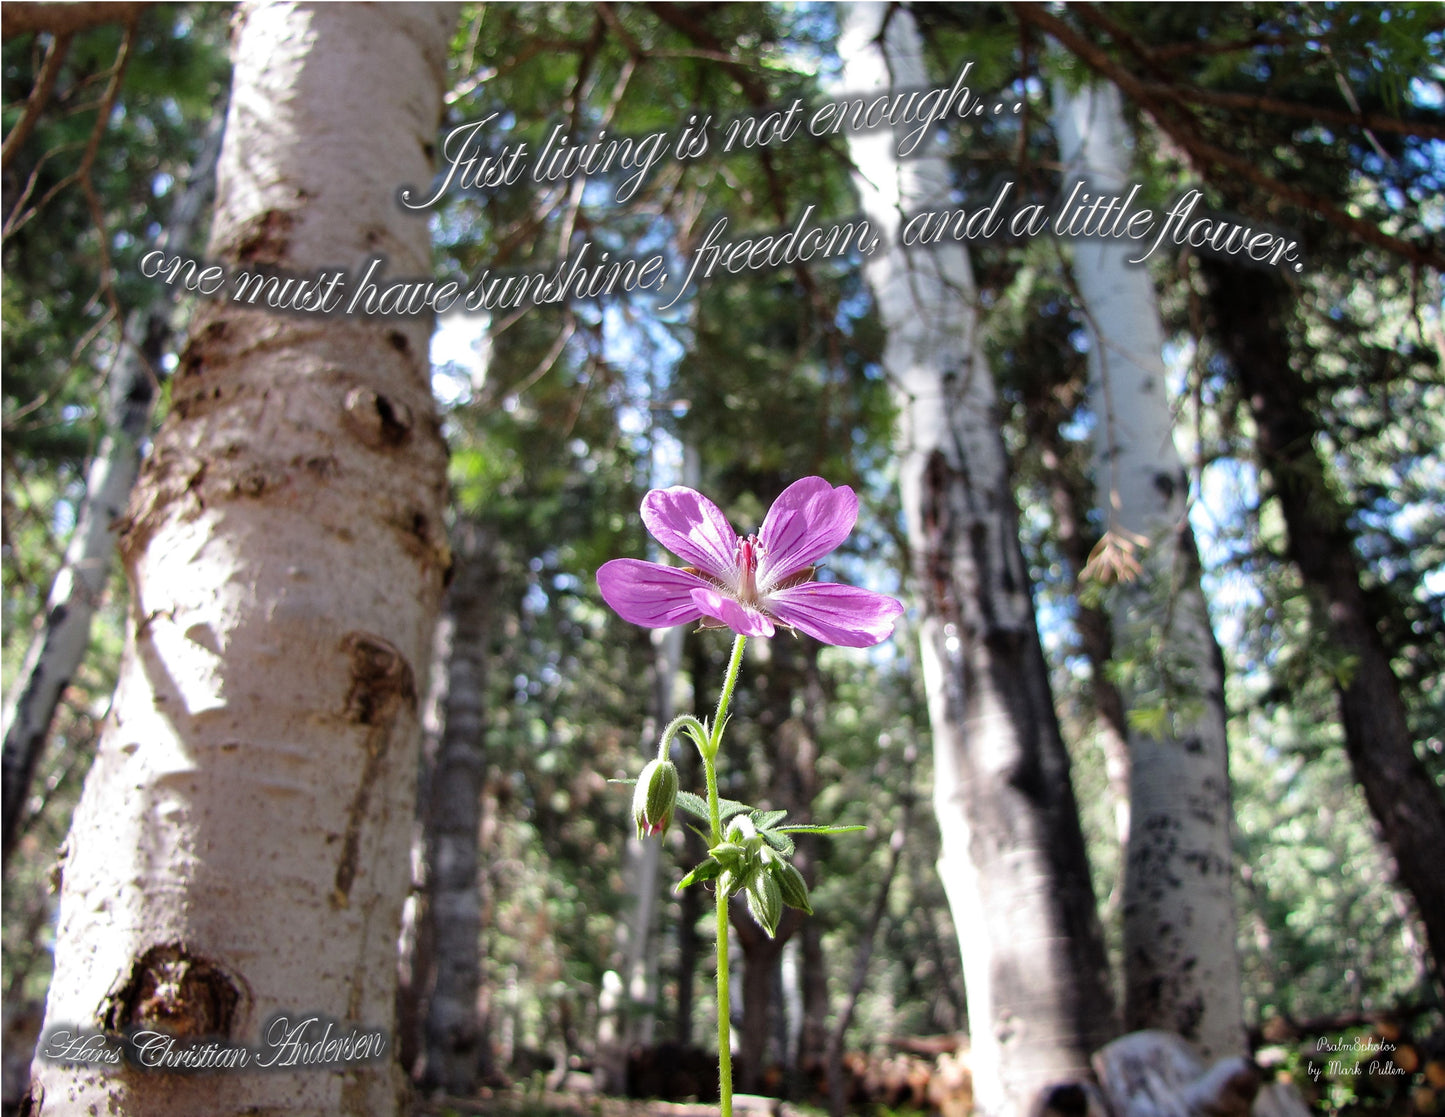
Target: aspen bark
240, 850
1013, 860
1181, 961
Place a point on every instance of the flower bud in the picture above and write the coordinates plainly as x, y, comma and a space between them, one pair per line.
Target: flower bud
741, 830
792, 886
765, 902
654, 798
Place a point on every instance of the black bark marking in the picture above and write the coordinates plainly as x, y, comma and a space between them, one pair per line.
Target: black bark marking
198, 349
253, 482
375, 744
381, 683
381, 680
1067, 1099
379, 421
172, 989
266, 239
398, 341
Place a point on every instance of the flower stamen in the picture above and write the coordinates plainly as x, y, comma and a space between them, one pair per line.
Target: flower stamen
749, 552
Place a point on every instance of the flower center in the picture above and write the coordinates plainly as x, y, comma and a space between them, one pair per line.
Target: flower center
749, 551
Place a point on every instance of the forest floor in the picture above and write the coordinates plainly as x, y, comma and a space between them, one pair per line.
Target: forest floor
525, 1102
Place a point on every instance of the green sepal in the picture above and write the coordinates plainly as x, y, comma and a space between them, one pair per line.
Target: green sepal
707, 870
729, 852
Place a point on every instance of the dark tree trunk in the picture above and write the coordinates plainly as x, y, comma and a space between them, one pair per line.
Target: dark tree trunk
690, 902
1048, 403
793, 782
813, 1039
457, 1051
761, 956
1250, 311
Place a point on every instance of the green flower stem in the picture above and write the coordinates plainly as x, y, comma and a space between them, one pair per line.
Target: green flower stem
724, 698
724, 1012
696, 729
714, 812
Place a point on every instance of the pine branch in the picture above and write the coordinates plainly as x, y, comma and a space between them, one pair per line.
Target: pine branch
1219, 167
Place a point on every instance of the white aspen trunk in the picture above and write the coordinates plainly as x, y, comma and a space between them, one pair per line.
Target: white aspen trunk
1012, 860
58, 649
1181, 961
240, 850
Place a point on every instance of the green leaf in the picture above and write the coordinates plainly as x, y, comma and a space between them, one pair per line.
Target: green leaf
766, 820
694, 805
818, 829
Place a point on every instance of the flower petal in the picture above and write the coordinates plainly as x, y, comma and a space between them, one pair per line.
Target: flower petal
693, 528
648, 593
738, 617
836, 614
807, 521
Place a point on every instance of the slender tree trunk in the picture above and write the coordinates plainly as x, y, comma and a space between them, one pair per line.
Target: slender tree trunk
837, 1081
761, 956
456, 1041
792, 787
57, 650
1013, 860
1250, 310
240, 850
1181, 961
628, 1013
690, 903
1049, 402
813, 978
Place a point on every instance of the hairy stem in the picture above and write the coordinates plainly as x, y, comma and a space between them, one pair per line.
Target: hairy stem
724, 1012
714, 812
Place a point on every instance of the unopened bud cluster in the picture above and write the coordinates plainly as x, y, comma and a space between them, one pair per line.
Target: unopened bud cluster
744, 861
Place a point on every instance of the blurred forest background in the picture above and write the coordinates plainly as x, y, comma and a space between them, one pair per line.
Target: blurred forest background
1320, 471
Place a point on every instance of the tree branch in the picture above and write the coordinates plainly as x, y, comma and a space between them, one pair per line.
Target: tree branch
1424, 129
65, 19
39, 97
